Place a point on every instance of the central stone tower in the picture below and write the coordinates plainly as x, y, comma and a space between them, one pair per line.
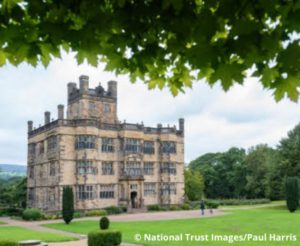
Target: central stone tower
86, 103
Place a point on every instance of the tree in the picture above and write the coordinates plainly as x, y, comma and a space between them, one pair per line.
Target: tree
205, 164
194, 185
257, 165
224, 173
13, 192
68, 204
292, 193
174, 44
232, 172
289, 152
275, 178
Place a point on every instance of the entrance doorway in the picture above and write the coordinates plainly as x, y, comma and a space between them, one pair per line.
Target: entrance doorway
133, 196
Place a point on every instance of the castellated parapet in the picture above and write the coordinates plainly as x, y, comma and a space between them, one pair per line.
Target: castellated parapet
106, 162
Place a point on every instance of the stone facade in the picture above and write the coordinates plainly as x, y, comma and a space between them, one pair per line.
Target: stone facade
108, 163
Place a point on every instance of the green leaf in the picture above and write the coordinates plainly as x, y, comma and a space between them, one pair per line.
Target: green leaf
121, 3
205, 72
46, 51
228, 74
177, 4
2, 58
174, 90
269, 76
92, 59
289, 87
9, 4
152, 84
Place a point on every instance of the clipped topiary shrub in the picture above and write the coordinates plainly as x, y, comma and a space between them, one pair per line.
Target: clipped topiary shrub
292, 193
104, 223
32, 214
68, 204
153, 207
99, 212
8, 243
104, 238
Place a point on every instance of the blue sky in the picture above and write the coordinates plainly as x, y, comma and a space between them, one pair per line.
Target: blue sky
215, 121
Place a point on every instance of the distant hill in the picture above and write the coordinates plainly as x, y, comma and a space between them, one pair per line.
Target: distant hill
12, 170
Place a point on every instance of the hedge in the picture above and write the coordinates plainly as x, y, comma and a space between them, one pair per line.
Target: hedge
229, 202
185, 206
11, 211
98, 212
104, 238
241, 201
113, 210
8, 243
153, 207
212, 204
32, 214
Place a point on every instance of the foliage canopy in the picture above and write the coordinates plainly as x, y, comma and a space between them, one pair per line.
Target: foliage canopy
194, 185
164, 43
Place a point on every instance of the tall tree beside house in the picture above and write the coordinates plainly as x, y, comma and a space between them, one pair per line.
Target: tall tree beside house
68, 204
194, 185
292, 193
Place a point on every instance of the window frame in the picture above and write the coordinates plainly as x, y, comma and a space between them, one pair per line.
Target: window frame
85, 142
107, 170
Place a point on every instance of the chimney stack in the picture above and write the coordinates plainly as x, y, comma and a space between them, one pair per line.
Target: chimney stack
47, 117
181, 125
113, 89
30, 125
84, 84
71, 87
60, 112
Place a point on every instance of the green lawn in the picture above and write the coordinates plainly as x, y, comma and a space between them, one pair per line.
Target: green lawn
2, 223
18, 233
239, 222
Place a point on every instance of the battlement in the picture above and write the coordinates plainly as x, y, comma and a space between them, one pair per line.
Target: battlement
95, 108
99, 92
104, 126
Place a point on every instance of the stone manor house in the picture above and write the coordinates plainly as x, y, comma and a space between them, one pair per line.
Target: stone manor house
108, 163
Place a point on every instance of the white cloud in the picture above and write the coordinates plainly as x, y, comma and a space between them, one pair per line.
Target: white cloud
215, 121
